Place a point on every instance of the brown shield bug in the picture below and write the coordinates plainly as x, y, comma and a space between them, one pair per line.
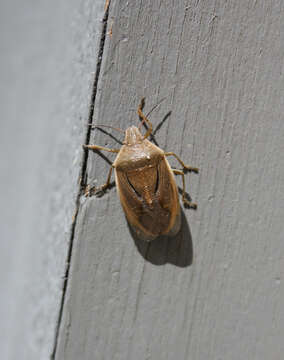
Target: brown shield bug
146, 184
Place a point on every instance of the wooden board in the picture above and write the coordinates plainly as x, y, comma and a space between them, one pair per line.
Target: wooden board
215, 291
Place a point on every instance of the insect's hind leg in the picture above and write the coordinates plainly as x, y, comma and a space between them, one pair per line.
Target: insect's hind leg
144, 119
89, 191
189, 168
184, 199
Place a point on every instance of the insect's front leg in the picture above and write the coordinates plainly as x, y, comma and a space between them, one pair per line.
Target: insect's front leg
189, 168
89, 191
98, 147
144, 119
184, 199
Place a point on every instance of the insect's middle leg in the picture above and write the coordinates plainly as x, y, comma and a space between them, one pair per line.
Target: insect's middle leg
189, 168
94, 189
144, 119
184, 199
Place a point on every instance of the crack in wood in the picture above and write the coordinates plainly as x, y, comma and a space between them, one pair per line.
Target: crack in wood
82, 177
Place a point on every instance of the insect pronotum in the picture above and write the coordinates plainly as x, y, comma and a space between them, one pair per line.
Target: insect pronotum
146, 184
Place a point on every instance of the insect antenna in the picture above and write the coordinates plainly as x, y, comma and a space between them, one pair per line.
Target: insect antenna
107, 126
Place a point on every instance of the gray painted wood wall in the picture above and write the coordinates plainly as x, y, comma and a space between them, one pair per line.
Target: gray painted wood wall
48, 54
215, 291
213, 70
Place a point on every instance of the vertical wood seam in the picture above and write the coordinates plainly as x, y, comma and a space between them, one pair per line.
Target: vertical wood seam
82, 177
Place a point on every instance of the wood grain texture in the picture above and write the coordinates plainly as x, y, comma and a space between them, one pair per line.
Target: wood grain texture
215, 291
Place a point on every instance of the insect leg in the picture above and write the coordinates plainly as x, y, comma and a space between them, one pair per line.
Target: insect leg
98, 147
144, 119
184, 199
189, 168
91, 190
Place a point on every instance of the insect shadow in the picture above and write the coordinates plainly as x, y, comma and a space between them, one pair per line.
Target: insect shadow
176, 250
111, 136
158, 127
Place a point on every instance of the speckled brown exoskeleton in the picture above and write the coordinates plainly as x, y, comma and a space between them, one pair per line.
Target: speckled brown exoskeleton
146, 184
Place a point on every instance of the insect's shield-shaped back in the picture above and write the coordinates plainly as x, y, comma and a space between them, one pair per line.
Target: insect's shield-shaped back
147, 190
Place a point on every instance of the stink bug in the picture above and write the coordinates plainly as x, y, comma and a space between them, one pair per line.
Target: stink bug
146, 184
